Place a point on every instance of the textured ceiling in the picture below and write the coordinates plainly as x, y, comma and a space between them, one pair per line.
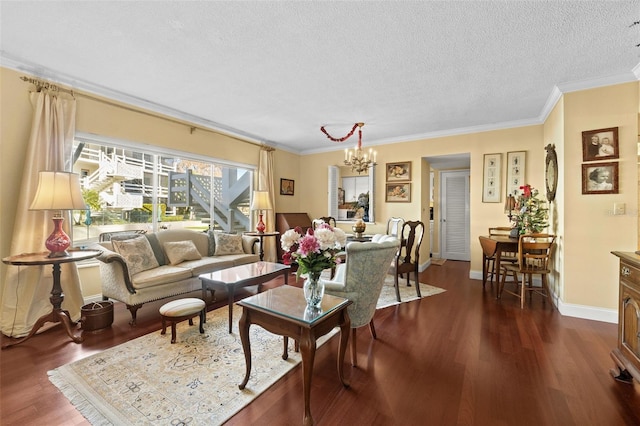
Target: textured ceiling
276, 71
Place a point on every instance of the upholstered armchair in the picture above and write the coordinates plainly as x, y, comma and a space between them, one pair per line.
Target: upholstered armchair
360, 279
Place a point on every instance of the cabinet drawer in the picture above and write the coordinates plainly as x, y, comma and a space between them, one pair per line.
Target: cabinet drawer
630, 274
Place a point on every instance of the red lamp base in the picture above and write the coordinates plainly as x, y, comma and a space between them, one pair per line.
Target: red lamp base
58, 241
260, 227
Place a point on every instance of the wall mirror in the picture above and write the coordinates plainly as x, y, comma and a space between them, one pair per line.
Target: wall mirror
346, 189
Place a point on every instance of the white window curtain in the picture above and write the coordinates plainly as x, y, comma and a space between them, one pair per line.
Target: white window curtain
26, 289
265, 183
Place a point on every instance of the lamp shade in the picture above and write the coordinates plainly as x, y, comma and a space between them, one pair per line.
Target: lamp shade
58, 191
509, 204
261, 201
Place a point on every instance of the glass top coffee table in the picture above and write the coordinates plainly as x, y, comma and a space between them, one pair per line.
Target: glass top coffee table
284, 311
242, 276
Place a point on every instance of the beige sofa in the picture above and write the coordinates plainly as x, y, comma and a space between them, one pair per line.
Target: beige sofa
142, 268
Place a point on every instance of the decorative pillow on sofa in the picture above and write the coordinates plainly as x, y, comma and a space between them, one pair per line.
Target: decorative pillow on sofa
228, 244
137, 253
212, 242
179, 251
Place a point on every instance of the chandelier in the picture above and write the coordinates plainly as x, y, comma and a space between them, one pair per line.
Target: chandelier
358, 160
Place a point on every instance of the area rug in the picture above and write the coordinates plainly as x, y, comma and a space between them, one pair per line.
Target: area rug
195, 381
438, 262
407, 294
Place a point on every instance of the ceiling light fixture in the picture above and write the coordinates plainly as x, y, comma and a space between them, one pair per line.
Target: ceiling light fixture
359, 161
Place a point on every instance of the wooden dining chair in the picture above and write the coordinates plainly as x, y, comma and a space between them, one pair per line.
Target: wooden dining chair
505, 256
407, 259
534, 255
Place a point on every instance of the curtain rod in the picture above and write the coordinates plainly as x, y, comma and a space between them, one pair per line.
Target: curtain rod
41, 84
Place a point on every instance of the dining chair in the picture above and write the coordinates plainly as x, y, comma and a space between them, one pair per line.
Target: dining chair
407, 259
534, 255
324, 219
360, 279
505, 256
394, 226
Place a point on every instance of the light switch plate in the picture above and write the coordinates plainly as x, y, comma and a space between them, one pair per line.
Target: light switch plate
619, 208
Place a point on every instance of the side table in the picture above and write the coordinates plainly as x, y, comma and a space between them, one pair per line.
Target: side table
261, 235
58, 314
284, 311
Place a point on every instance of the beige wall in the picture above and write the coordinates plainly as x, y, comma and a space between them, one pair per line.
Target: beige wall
586, 271
591, 231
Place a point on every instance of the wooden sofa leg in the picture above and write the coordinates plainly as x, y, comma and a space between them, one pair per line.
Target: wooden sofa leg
134, 310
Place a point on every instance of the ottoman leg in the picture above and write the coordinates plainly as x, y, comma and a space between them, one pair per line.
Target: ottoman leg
173, 332
203, 317
164, 326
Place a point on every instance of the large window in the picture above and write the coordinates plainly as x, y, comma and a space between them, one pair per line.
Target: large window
137, 188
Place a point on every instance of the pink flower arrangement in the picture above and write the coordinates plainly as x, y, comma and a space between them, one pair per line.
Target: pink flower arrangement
314, 251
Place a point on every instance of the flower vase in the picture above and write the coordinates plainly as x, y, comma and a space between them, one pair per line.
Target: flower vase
313, 290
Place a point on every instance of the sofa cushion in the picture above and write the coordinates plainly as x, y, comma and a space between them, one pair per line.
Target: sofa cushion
137, 253
228, 244
179, 251
160, 275
207, 264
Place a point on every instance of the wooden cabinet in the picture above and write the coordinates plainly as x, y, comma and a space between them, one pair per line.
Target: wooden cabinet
627, 353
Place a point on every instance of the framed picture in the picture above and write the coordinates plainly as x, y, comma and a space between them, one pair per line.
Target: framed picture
399, 172
600, 144
600, 178
286, 186
398, 192
491, 184
515, 171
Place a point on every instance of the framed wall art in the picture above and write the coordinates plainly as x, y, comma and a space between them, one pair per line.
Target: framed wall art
600, 144
492, 171
287, 186
398, 172
398, 192
600, 178
516, 171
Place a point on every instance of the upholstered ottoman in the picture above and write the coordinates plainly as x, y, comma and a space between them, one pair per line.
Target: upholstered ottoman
180, 310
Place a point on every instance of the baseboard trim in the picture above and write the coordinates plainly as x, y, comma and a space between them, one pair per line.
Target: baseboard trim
592, 313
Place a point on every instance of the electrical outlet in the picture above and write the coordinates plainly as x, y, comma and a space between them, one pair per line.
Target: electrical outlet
619, 208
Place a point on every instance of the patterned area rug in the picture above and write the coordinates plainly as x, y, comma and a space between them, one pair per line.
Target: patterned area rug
194, 381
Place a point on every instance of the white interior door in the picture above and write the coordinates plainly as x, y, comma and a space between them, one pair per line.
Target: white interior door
454, 215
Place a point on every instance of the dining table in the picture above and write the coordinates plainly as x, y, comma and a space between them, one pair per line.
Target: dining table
495, 245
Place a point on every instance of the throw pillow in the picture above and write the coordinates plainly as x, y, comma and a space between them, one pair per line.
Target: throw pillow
179, 251
212, 242
157, 248
137, 253
228, 244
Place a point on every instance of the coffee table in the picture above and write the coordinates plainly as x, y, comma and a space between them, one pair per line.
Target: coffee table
284, 311
242, 276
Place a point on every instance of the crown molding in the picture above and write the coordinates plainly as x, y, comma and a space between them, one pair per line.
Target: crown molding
77, 84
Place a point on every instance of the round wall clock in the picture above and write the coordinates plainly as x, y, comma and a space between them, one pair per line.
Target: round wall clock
551, 172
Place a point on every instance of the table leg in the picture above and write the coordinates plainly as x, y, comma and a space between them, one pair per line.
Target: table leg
496, 265
345, 329
308, 353
261, 247
244, 324
484, 270
231, 290
56, 316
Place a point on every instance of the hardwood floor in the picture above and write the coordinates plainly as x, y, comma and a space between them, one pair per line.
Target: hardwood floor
459, 358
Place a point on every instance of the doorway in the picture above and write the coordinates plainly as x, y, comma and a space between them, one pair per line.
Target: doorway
454, 215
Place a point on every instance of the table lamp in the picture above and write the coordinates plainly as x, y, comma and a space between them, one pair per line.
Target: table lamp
509, 206
58, 191
261, 201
